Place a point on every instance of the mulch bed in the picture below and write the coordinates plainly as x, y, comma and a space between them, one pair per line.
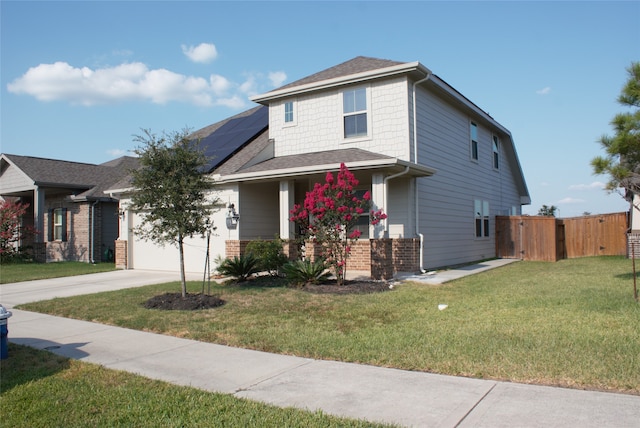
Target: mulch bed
175, 301
193, 302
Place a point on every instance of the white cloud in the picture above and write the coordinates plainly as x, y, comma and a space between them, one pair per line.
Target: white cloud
219, 84
116, 153
571, 201
234, 102
596, 185
135, 82
544, 91
203, 53
277, 78
250, 85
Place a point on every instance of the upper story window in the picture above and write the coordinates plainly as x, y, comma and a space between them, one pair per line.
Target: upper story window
496, 152
354, 110
288, 112
473, 132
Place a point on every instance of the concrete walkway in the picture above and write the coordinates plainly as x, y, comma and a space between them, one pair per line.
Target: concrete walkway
377, 394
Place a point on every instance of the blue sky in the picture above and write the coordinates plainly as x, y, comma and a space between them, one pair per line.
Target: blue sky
80, 78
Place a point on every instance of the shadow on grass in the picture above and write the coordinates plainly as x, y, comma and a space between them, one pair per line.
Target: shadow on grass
628, 276
25, 364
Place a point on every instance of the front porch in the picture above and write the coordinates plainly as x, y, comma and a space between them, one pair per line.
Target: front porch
377, 258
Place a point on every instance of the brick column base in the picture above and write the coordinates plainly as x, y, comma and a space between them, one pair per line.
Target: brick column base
39, 250
121, 256
633, 245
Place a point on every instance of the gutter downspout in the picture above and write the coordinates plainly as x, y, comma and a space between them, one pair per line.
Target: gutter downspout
92, 231
415, 160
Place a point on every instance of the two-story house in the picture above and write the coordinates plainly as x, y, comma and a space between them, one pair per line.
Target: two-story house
439, 166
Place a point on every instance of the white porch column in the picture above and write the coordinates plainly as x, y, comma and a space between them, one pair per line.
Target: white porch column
124, 216
39, 212
378, 201
287, 195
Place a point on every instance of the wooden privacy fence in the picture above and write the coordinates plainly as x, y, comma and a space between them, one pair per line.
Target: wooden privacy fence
551, 239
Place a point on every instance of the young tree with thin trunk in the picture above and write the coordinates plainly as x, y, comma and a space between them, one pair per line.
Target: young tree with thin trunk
171, 191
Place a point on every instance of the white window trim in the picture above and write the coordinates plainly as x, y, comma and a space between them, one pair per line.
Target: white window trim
294, 122
471, 141
58, 224
481, 211
495, 141
369, 134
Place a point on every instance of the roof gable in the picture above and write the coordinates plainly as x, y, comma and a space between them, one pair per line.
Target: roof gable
356, 65
356, 70
88, 179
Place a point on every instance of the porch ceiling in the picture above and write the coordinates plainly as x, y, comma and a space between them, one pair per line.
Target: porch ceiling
320, 162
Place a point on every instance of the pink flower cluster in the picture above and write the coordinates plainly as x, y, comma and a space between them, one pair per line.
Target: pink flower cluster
330, 213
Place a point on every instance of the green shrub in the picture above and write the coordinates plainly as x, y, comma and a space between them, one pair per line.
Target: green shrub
269, 254
240, 268
301, 272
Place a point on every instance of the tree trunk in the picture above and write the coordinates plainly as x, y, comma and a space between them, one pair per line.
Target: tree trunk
183, 280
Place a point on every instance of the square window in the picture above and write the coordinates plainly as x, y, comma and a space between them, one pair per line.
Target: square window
355, 125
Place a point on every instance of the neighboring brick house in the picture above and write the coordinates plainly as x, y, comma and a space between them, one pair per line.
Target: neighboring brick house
437, 164
76, 220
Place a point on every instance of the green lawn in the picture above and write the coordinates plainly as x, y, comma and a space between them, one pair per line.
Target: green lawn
573, 323
40, 389
18, 272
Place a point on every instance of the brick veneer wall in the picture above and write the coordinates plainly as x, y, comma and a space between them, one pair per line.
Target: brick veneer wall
121, 256
406, 255
39, 251
383, 258
633, 245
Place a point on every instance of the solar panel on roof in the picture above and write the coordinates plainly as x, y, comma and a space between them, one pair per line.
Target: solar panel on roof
234, 134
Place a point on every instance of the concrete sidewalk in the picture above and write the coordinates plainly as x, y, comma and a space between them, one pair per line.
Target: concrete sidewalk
373, 393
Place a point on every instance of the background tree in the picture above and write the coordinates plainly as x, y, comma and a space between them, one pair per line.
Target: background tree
548, 210
171, 191
622, 159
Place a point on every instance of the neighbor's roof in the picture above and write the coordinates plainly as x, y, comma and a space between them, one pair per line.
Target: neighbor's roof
91, 179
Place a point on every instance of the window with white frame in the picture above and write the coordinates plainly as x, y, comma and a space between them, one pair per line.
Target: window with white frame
496, 152
481, 214
58, 224
354, 110
473, 134
288, 112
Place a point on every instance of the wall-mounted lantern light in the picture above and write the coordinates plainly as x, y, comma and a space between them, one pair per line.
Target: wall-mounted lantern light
232, 217
122, 213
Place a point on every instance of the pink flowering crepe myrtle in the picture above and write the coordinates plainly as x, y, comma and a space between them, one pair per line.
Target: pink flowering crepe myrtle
329, 215
11, 229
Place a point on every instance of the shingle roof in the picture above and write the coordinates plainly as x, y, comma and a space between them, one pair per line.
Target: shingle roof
316, 158
356, 65
91, 178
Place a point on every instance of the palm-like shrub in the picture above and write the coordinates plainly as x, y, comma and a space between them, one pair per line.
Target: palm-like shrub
240, 268
301, 272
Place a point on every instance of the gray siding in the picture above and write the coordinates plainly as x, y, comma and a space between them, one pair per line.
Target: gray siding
259, 210
446, 199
